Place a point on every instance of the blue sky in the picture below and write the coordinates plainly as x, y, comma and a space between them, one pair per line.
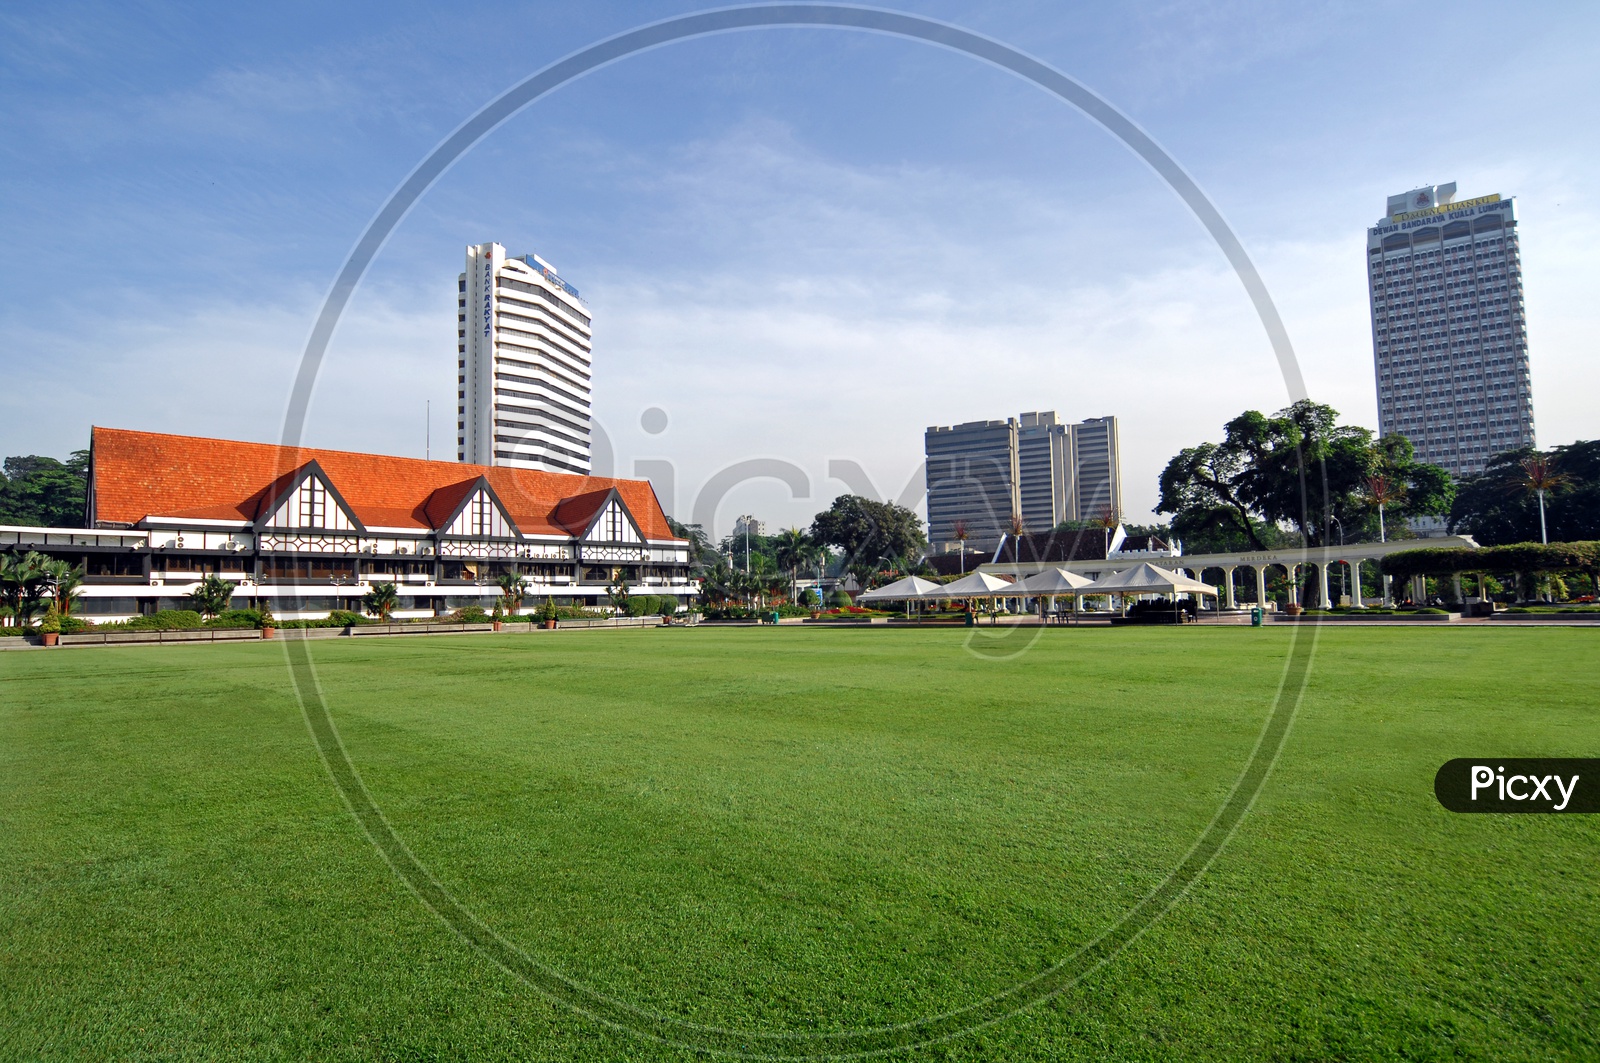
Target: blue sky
802, 244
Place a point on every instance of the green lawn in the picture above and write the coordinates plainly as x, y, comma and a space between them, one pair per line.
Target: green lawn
794, 830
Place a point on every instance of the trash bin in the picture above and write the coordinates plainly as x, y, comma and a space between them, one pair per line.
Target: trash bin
772, 617
1255, 617
972, 618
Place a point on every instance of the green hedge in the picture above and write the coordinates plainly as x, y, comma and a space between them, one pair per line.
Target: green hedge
1516, 557
337, 618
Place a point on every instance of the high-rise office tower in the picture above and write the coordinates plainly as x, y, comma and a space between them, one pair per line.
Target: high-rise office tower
1044, 470
972, 481
1097, 459
523, 365
984, 472
1449, 332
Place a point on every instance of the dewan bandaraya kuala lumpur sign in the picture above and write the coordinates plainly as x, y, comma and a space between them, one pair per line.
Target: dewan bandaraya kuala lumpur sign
1449, 212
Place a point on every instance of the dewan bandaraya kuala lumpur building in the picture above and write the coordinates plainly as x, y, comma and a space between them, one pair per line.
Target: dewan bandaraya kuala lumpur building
313, 530
1449, 330
523, 385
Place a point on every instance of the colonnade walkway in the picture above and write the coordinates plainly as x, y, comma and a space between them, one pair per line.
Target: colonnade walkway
1322, 560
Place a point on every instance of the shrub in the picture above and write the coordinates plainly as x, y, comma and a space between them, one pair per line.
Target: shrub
668, 606
840, 598
576, 612
167, 620
471, 614
231, 618
642, 604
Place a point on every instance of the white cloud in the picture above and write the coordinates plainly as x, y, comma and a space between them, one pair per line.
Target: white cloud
779, 304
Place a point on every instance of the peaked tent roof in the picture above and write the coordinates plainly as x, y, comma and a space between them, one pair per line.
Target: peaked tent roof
1054, 581
977, 585
1146, 578
900, 590
135, 475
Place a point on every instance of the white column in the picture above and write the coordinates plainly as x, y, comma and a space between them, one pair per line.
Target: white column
1355, 583
1323, 601
1261, 585
1227, 575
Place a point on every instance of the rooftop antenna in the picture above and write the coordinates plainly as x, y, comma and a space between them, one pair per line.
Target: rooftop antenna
427, 433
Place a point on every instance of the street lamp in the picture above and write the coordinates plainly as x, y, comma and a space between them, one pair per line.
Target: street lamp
337, 581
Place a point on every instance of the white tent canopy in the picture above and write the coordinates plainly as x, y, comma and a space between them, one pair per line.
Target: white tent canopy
1053, 582
976, 585
910, 588
1147, 579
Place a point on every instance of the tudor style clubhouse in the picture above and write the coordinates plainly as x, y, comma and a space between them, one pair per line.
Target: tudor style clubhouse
311, 531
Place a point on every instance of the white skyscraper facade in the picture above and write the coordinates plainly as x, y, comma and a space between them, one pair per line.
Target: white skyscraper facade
523, 365
1449, 331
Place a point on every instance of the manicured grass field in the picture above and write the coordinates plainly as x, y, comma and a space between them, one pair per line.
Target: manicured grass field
794, 829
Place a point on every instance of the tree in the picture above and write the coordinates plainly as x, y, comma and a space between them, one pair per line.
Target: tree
792, 550
1540, 475
43, 492
617, 594
381, 600
65, 579
1498, 506
702, 554
23, 579
513, 588
211, 596
1297, 468
1382, 492
866, 530
961, 531
1202, 488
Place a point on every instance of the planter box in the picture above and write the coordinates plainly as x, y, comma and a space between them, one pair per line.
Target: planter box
107, 638
1565, 618
410, 629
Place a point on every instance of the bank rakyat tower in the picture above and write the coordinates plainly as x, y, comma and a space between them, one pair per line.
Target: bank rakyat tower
523, 365
1449, 332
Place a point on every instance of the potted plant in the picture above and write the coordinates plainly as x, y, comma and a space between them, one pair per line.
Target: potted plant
50, 627
264, 618
498, 616
548, 613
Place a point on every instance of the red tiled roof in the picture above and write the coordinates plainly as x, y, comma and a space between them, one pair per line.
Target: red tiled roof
574, 514
151, 474
442, 504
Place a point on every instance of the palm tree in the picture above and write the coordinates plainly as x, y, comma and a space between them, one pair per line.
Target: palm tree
513, 588
717, 583
23, 578
961, 532
759, 577
1382, 491
1539, 475
791, 548
617, 593
212, 595
381, 600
